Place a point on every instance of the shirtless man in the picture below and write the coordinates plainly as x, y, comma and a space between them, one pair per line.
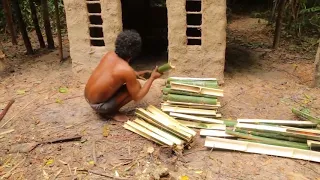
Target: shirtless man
114, 83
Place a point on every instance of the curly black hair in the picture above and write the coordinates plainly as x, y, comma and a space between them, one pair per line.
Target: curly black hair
128, 44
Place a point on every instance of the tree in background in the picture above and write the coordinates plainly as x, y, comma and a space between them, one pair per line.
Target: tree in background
22, 26
317, 68
36, 23
46, 21
277, 32
8, 14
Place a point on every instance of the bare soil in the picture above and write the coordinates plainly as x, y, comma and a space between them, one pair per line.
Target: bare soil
259, 83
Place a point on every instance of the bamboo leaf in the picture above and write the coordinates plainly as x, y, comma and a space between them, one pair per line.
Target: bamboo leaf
63, 90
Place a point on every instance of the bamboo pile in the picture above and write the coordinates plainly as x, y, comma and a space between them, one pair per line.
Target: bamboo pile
157, 126
190, 98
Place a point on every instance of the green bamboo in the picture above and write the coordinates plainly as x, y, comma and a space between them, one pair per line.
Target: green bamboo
269, 140
291, 125
190, 99
272, 135
190, 79
172, 91
164, 68
305, 116
209, 84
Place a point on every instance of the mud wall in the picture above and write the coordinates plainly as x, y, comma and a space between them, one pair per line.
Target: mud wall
208, 59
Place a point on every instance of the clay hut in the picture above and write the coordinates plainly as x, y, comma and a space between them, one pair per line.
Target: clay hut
191, 32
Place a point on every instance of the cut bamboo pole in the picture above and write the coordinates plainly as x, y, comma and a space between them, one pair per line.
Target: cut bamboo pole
305, 116
314, 145
164, 68
295, 123
128, 127
150, 133
189, 79
258, 148
190, 99
196, 89
202, 119
164, 123
196, 105
158, 112
284, 131
172, 91
200, 125
215, 133
268, 140
160, 132
188, 110
190, 106
272, 135
208, 84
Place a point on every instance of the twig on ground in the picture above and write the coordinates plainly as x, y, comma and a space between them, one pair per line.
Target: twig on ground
94, 152
8, 174
6, 132
122, 164
64, 163
55, 177
104, 175
6, 109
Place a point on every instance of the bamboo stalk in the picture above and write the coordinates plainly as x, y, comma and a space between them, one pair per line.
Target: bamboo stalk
158, 112
209, 84
188, 110
196, 89
172, 91
200, 125
272, 135
150, 133
251, 147
164, 68
294, 123
268, 140
202, 119
165, 124
284, 131
189, 99
305, 116
159, 132
189, 79
215, 133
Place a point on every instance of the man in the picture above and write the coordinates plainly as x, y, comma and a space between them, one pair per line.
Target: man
114, 83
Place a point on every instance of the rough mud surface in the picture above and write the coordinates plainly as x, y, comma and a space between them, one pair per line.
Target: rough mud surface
259, 83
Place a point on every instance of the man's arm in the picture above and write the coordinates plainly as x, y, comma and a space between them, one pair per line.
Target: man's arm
134, 88
139, 73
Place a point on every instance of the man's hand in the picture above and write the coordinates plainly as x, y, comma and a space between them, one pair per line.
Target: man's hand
155, 74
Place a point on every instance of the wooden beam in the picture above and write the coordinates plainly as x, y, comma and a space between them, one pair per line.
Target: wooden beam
251, 147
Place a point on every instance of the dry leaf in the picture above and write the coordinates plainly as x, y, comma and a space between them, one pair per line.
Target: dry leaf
49, 161
106, 130
63, 90
59, 101
21, 92
184, 178
91, 162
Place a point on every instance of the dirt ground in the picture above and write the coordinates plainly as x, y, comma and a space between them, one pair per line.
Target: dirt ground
259, 83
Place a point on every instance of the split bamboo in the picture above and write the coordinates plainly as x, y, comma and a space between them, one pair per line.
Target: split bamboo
172, 91
202, 119
196, 89
215, 133
314, 145
190, 105
209, 84
189, 79
188, 110
200, 125
268, 140
305, 116
190, 99
292, 123
251, 147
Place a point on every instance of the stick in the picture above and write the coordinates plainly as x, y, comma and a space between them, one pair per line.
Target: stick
64, 139
104, 175
94, 152
6, 132
8, 174
5, 110
55, 177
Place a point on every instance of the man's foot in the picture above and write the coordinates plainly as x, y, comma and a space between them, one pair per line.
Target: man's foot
120, 117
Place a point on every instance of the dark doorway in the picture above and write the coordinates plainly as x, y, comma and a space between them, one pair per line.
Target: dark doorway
149, 18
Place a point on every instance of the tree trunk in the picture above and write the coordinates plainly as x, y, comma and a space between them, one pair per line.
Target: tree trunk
22, 27
36, 23
277, 32
8, 14
46, 21
58, 29
317, 68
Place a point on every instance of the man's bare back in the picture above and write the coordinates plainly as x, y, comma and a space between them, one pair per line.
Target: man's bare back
114, 83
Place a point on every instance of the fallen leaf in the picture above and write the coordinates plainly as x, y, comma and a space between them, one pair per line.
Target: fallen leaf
91, 162
106, 130
21, 92
63, 90
49, 161
184, 178
59, 101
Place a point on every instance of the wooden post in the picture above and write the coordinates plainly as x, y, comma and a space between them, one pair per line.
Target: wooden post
58, 29
36, 23
277, 32
317, 68
8, 14
46, 21
22, 27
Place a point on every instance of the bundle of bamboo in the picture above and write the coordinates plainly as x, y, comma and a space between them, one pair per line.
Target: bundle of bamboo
197, 97
161, 128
